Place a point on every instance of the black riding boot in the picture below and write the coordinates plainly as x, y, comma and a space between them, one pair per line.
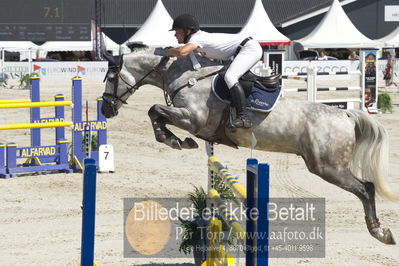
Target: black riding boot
238, 101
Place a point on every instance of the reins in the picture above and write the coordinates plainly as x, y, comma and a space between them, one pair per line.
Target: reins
185, 85
131, 89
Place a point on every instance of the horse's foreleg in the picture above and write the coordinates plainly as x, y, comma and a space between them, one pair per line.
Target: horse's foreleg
161, 116
364, 191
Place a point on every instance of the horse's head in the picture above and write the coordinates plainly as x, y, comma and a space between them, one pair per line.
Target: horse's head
122, 79
111, 100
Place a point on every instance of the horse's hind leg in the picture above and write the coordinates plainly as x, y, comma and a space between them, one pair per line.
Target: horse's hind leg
161, 115
365, 192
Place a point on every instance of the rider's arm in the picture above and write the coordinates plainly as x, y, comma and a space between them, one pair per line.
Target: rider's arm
181, 51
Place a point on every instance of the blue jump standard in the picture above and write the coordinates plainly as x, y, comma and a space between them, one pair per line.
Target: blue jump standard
99, 125
54, 157
88, 212
258, 192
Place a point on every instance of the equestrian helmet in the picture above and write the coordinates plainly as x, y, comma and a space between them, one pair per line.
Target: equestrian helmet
186, 21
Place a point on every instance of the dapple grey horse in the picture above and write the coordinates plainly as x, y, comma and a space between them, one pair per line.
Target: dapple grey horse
344, 147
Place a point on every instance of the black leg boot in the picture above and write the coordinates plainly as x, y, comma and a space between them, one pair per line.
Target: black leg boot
238, 101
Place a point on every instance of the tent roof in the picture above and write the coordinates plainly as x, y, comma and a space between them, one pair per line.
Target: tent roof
113, 46
17, 46
390, 40
109, 43
62, 46
336, 31
155, 30
260, 27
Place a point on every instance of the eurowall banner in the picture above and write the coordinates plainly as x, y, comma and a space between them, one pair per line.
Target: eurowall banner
96, 70
58, 70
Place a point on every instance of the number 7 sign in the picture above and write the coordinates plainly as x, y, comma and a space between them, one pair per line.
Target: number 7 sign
106, 158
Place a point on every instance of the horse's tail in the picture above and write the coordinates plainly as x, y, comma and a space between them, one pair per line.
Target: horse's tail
370, 158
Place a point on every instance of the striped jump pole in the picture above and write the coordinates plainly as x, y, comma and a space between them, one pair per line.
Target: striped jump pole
325, 89
325, 73
227, 216
338, 73
312, 89
255, 197
295, 77
344, 103
238, 190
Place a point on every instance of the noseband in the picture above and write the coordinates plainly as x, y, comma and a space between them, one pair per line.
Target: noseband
113, 75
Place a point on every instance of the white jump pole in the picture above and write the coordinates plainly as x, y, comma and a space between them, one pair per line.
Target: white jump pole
2, 61
312, 87
30, 62
363, 81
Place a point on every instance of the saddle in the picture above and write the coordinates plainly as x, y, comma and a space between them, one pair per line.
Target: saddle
247, 81
262, 94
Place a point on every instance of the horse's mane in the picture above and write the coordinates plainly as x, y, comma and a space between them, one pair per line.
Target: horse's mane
137, 46
143, 48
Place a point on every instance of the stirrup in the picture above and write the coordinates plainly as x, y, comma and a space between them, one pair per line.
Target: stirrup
242, 122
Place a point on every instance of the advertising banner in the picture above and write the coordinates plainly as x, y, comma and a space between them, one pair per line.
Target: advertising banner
275, 62
370, 76
93, 71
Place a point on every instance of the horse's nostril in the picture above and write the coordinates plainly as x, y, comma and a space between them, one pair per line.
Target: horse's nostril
108, 110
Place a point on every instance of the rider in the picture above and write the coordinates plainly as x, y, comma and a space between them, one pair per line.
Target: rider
246, 52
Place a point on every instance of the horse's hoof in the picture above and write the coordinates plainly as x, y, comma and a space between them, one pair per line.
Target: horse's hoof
159, 135
384, 235
175, 144
160, 138
189, 143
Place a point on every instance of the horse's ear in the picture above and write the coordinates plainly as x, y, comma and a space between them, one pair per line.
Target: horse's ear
111, 59
136, 45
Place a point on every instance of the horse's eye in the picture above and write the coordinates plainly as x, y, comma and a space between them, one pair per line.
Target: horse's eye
111, 76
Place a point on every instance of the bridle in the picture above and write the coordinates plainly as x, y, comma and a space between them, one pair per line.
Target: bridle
113, 75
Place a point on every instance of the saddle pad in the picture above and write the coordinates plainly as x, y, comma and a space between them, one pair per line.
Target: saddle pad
258, 99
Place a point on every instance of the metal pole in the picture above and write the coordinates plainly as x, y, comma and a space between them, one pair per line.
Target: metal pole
211, 185
312, 84
97, 29
2, 61
30, 61
89, 212
87, 138
363, 80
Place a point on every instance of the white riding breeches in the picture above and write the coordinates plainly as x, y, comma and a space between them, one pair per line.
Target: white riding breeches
248, 56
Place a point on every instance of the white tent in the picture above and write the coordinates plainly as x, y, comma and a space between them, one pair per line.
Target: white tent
155, 29
391, 40
113, 46
16, 46
260, 27
336, 31
26, 49
62, 46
